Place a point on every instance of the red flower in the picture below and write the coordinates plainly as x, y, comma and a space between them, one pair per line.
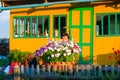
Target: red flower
115, 52
109, 57
112, 48
118, 51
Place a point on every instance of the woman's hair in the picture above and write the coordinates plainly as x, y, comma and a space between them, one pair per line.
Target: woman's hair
65, 34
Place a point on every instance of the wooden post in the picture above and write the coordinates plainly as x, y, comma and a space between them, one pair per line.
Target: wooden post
118, 70
82, 70
100, 71
43, 70
88, 70
49, 70
106, 70
59, 69
27, 72
32, 73
71, 70
38, 70
76, 70
112, 71
16, 72
65, 70
22, 69
94, 68
54, 69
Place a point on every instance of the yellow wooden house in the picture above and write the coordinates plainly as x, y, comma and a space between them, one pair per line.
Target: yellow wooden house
93, 24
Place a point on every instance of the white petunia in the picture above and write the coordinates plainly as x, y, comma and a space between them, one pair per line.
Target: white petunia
58, 49
49, 48
57, 55
74, 50
64, 54
55, 48
52, 55
65, 48
77, 51
52, 49
69, 53
48, 57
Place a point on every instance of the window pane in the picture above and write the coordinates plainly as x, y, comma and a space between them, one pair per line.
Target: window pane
118, 23
99, 25
22, 27
56, 25
40, 26
112, 24
16, 28
28, 27
46, 26
63, 25
105, 24
34, 22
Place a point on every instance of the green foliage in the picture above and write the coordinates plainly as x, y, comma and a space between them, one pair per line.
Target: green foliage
68, 58
18, 56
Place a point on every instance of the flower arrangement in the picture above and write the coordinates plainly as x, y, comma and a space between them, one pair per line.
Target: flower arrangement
117, 56
59, 51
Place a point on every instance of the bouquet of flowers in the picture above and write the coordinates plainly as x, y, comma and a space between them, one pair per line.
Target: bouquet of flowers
59, 51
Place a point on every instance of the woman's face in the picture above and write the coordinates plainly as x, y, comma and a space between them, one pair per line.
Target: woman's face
65, 38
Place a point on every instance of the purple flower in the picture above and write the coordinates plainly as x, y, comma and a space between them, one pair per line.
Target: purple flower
76, 46
39, 52
48, 45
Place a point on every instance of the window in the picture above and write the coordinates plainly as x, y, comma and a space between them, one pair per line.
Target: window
107, 24
59, 26
31, 26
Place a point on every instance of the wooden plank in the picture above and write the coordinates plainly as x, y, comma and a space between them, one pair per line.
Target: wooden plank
22, 69
16, 73
38, 70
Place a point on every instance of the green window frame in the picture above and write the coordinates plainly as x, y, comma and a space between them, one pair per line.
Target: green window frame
31, 26
107, 24
59, 26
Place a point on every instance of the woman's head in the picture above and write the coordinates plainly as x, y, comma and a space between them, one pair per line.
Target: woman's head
65, 37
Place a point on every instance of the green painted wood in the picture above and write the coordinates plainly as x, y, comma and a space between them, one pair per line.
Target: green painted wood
81, 27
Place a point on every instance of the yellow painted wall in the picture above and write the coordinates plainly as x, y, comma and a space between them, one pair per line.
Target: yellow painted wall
102, 46
32, 44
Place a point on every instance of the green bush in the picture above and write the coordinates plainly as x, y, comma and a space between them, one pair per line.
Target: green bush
19, 56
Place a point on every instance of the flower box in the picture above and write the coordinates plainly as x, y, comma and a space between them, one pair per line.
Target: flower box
58, 52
